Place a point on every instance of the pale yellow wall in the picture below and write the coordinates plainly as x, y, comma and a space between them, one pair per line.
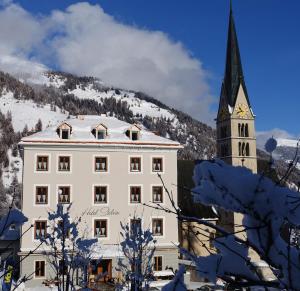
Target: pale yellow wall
82, 179
233, 139
196, 238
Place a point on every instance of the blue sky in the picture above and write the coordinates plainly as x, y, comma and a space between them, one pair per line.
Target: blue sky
269, 39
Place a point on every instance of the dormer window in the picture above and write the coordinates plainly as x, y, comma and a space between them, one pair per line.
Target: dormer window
64, 131
135, 135
133, 132
100, 131
100, 134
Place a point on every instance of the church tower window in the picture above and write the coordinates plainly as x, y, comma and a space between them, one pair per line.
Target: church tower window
246, 130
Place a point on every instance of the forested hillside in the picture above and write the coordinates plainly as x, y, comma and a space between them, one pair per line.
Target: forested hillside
30, 106
27, 107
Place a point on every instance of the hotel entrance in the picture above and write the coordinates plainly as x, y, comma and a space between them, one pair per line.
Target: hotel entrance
100, 271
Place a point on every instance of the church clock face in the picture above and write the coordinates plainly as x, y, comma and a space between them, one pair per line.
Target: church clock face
242, 110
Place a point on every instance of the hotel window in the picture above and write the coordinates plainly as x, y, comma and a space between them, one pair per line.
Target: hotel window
157, 165
135, 194
157, 226
40, 229
65, 133
157, 194
63, 229
64, 164
100, 164
100, 228
135, 226
101, 134
100, 194
39, 269
42, 163
41, 195
64, 193
134, 135
157, 263
135, 164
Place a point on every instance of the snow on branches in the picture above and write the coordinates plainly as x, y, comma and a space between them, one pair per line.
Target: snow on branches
266, 207
13, 217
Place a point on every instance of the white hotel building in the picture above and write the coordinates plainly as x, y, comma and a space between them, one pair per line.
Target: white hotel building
106, 168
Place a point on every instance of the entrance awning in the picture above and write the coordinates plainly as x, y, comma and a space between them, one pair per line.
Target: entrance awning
107, 251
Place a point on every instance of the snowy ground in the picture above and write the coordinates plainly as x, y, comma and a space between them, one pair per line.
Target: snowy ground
136, 105
28, 112
25, 112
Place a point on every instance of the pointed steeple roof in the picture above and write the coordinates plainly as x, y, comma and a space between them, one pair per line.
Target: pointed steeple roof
233, 70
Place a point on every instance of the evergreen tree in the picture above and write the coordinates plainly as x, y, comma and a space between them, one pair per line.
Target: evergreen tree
14, 150
25, 131
39, 125
5, 160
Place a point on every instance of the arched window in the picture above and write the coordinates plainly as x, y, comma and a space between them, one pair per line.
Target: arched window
240, 148
246, 131
243, 130
247, 150
243, 149
239, 126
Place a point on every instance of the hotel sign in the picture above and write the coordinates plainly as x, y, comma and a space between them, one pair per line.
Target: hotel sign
103, 211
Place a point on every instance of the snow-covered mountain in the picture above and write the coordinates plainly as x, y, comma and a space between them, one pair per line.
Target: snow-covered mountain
51, 97
286, 150
35, 102
283, 142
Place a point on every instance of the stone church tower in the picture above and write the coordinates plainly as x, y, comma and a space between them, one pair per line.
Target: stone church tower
236, 141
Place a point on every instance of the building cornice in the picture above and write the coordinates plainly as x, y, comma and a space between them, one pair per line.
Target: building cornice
100, 144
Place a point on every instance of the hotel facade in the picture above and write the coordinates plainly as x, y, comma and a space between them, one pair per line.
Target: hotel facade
106, 168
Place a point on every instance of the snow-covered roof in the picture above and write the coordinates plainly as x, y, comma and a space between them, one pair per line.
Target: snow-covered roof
83, 126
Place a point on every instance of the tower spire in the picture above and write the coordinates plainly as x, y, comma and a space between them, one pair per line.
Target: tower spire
234, 76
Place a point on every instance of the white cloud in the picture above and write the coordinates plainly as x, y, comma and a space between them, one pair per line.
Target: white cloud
20, 32
85, 40
263, 136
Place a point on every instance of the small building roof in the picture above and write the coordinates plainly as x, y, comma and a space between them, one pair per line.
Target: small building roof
82, 133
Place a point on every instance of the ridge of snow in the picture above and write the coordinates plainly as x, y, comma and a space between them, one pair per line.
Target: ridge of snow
287, 142
28, 112
136, 105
